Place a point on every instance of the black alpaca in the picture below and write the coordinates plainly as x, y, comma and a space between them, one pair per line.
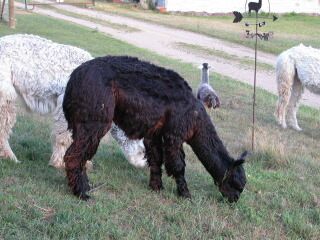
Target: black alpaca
254, 6
149, 102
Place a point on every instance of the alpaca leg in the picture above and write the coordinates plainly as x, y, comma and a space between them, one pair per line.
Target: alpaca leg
285, 77
86, 139
6, 151
282, 107
178, 171
7, 121
175, 166
62, 139
155, 161
8, 97
293, 106
61, 142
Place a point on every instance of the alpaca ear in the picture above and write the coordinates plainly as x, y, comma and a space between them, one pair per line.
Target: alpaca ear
238, 162
244, 155
241, 159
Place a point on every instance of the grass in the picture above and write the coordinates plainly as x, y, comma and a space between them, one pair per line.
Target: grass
116, 26
281, 200
290, 30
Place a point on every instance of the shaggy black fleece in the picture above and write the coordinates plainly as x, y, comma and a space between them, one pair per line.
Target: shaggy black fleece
150, 102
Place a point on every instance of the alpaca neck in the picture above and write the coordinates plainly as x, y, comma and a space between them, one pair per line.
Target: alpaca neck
260, 3
210, 150
205, 75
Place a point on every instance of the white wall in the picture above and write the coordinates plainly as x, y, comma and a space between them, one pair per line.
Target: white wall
224, 6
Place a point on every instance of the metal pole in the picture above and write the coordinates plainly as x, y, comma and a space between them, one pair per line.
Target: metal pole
12, 20
254, 85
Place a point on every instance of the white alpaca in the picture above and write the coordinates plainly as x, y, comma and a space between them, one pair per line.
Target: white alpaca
37, 70
297, 67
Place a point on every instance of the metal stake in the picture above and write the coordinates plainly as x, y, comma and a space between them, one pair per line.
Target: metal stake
254, 86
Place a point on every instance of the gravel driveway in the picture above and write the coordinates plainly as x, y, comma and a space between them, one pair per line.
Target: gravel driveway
163, 40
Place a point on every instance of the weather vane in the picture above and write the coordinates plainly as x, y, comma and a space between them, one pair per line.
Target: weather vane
260, 21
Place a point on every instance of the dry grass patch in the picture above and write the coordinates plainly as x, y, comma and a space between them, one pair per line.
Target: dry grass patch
270, 148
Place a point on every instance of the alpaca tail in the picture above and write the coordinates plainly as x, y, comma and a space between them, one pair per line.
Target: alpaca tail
88, 97
7, 90
285, 74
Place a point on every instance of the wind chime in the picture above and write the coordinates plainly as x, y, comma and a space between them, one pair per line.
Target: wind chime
254, 7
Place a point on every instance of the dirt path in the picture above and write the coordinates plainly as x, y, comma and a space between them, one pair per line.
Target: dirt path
162, 40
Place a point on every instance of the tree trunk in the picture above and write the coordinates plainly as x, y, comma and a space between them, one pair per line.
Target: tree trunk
12, 20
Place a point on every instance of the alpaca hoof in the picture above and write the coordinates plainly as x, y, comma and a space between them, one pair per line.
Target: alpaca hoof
297, 128
284, 126
184, 194
11, 156
16, 160
156, 186
84, 197
83, 188
183, 191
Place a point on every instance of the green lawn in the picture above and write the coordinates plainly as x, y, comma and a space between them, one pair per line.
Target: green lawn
289, 30
281, 200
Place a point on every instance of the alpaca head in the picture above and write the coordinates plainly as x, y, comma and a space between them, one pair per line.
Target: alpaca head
234, 180
205, 66
212, 101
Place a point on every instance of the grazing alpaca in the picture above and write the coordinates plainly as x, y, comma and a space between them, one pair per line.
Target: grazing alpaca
254, 6
206, 94
37, 70
149, 102
297, 68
